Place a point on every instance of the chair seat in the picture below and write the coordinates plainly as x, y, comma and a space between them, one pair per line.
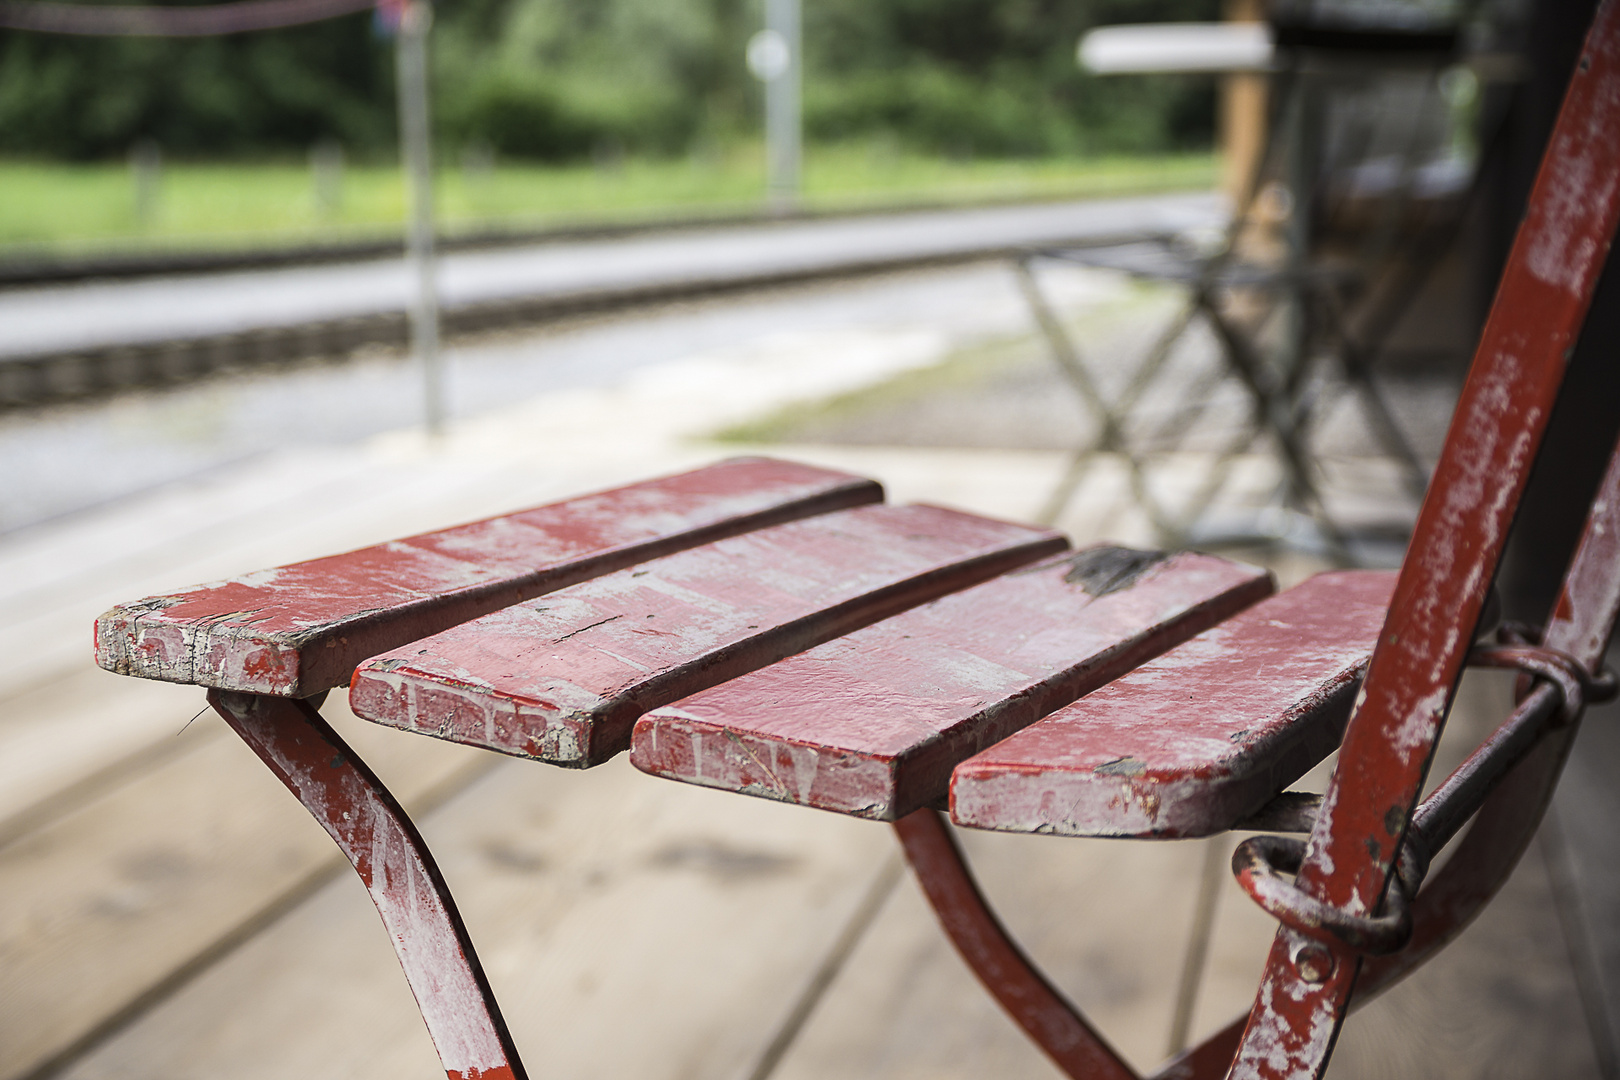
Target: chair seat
753, 627
852, 660
562, 679
1197, 740
871, 724
297, 630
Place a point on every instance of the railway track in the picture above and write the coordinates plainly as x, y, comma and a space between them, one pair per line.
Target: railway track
29, 379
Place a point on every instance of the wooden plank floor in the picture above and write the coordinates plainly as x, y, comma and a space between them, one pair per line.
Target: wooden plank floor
167, 911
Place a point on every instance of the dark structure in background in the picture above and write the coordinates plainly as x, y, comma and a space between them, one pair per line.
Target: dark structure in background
1578, 839
1588, 411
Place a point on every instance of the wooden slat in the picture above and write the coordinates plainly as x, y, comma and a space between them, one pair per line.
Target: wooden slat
564, 678
873, 723
300, 629
1193, 742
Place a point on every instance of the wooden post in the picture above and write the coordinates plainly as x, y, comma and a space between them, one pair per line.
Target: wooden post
1242, 114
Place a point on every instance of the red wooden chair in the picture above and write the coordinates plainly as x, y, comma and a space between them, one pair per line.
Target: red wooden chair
773, 629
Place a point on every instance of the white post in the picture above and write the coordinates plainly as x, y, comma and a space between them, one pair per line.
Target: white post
415, 135
775, 59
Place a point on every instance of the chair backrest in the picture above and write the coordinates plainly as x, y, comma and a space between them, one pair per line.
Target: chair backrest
1545, 292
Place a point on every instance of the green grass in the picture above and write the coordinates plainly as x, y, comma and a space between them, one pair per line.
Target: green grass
59, 207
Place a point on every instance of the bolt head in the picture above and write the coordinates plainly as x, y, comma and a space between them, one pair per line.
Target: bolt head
1314, 963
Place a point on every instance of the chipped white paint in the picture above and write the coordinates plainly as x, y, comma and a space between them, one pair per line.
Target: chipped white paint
1418, 729
1209, 731
382, 850
883, 713
1273, 1048
1561, 252
296, 630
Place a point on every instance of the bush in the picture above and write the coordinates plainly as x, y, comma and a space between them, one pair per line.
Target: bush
935, 108
82, 98
554, 79
522, 118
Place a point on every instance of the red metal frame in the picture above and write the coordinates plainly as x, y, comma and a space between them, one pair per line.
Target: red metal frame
1034, 1003
1501, 830
389, 855
1346, 867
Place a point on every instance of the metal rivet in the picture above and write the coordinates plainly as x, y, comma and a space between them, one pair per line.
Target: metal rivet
1314, 963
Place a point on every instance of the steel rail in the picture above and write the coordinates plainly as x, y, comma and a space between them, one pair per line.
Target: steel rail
103, 370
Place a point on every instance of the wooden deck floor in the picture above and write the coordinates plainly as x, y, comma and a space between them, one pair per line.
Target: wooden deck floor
166, 910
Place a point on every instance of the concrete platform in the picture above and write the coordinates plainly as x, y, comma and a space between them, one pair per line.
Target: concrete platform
166, 910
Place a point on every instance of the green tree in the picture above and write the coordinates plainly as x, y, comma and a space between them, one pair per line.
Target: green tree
78, 98
554, 79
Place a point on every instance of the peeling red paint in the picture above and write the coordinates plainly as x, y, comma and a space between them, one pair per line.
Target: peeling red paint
405, 884
1196, 740
297, 630
872, 724
563, 678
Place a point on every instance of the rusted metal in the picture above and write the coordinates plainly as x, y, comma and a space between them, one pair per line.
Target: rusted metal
1033, 1003
1576, 686
1546, 288
1208, 1059
872, 724
1259, 863
296, 630
369, 826
563, 679
1515, 799
1288, 811
1193, 742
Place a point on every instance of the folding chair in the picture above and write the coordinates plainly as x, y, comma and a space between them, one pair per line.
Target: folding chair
773, 630
1312, 296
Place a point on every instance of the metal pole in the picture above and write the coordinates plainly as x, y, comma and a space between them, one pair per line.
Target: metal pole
415, 134
782, 125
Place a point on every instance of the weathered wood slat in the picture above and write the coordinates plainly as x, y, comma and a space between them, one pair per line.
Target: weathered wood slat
300, 629
564, 678
873, 723
1190, 743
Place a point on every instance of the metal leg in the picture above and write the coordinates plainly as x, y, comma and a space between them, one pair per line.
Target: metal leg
1272, 414
1037, 1007
1210, 878
1355, 361
387, 852
1109, 418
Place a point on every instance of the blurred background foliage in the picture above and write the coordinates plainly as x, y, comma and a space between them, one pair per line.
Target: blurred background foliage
559, 80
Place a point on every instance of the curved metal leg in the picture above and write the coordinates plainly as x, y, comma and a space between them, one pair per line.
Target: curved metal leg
1033, 1002
387, 852
1209, 1058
